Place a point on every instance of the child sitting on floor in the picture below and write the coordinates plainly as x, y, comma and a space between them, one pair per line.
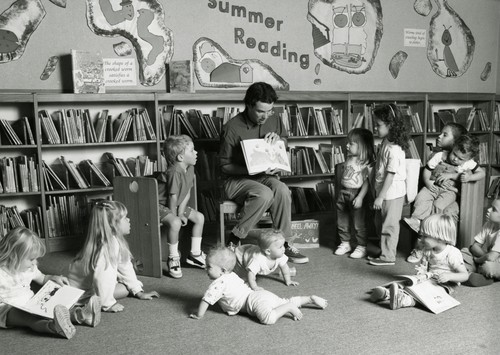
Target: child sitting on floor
441, 176
234, 295
441, 262
264, 259
104, 264
482, 259
19, 251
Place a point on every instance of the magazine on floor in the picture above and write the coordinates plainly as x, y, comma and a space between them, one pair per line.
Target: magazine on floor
261, 155
49, 296
428, 292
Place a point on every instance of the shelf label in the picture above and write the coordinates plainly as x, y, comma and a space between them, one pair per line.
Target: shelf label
120, 72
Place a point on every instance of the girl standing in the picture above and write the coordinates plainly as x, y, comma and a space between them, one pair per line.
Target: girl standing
104, 265
19, 251
354, 186
390, 176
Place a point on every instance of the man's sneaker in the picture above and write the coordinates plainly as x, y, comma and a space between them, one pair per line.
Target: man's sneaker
174, 267
197, 260
380, 262
398, 298
343, 248
90, 314
359, 252
415, 256
379, 294
413, 223
295, 256
61, 324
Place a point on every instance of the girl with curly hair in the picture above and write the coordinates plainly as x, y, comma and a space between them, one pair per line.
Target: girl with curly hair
389, 184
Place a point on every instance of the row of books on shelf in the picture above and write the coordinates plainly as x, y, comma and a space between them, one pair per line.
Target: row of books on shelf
308, 161
73, 126
483, 157
310, 121
18, 174
17, 133
192, 122
472, 118
11, 218
67, 215
496, 118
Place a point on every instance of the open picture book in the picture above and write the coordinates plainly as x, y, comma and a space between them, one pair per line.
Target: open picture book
260, 156
428, 292
49, 296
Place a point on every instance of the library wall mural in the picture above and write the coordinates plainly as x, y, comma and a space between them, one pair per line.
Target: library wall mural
346, 34
17, 24
143, 24
214, 67
451, 45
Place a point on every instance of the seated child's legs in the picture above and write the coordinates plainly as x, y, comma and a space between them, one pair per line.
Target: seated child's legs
443, 200
61, 324
453, 210
422, 207
470, 265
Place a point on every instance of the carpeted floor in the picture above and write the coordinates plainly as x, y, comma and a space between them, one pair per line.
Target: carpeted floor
350, 325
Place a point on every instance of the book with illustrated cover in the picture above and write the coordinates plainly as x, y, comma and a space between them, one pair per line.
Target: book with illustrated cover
88, 72
260, 156
181, 76
426, 290
50, 295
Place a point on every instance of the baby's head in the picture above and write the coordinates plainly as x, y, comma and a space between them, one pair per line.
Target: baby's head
175, 146
466, 148
439, 227
449, 135
19, 249
220, 260
271, 244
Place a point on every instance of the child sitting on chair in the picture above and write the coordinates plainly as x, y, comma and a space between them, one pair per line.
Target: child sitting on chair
482, 259
174, 188
441, 176
264, 259
234, 295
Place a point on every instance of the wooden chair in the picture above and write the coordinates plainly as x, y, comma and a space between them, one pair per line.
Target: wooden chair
228, 208
140, 196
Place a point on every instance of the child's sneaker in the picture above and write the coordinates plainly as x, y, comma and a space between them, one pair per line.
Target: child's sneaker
399, 298
174, 267
380, 262
415, 256
379, 294
197, 260
343, 248
90, 314
61, 324
359, 252
413, 223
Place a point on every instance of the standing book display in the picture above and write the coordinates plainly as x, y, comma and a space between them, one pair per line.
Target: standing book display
88, 72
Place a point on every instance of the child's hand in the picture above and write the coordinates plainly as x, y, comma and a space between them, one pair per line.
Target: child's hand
442, 278
357, 202
432, 187
465, 176
117, 307
377, 204
292, 283
184, 220
60, 280
194, 316
450, 185
147, 295
421, 269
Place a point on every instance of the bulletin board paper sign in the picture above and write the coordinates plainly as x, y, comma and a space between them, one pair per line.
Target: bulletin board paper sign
120, 72
415, 37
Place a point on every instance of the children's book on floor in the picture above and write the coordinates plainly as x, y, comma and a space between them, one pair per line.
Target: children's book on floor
49, 296
260, 156
428, 293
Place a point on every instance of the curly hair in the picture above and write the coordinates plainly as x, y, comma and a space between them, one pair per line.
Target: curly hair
393, 118
468, 145
456, 129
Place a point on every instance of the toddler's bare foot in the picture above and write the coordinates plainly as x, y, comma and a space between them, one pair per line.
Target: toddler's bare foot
320, 302
296, 313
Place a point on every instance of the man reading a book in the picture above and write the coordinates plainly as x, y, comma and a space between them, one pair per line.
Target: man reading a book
261, 192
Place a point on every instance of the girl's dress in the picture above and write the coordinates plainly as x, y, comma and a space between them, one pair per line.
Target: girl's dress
15, 288
105, 277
